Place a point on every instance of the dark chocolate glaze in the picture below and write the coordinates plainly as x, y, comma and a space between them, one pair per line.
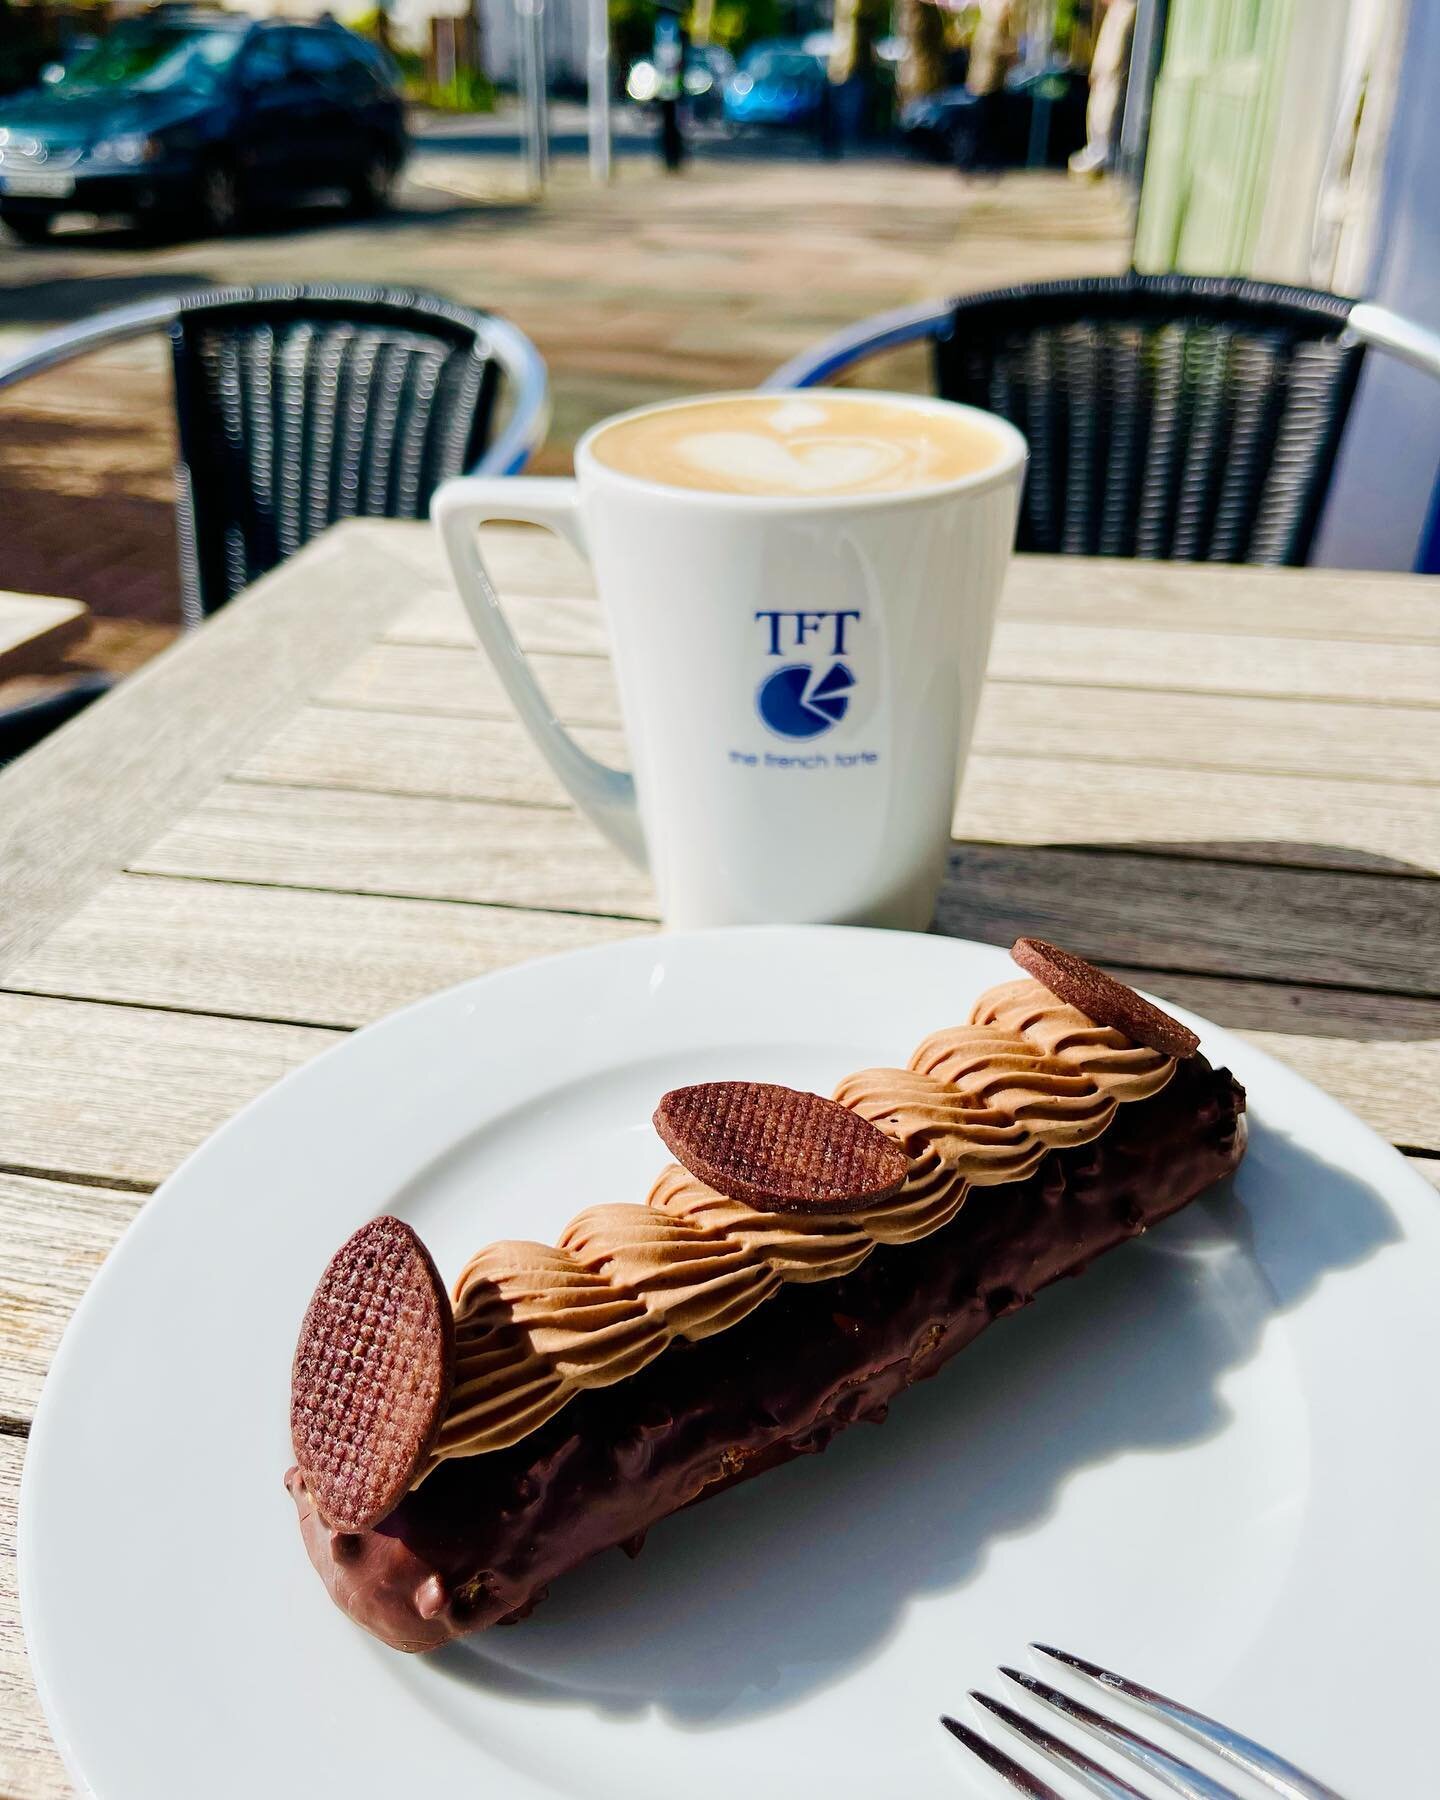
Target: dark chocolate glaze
478, 1542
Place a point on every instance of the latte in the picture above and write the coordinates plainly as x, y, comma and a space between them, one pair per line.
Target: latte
800, 446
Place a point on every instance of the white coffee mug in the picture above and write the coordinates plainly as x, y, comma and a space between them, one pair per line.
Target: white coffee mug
798, 677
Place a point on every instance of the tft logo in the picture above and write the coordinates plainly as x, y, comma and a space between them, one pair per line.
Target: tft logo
798, 700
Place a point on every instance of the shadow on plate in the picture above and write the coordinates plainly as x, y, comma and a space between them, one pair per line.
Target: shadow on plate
778, 1588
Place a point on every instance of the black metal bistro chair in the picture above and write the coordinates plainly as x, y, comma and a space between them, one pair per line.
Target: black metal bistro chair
1168, 416
299, 405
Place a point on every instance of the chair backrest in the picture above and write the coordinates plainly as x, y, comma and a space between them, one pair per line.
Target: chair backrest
298, 406
1171, 416
1168, 416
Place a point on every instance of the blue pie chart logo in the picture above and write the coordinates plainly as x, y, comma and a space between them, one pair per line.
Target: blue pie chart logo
795, 703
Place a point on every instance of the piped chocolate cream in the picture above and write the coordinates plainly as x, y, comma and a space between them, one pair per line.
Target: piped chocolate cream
568, 1430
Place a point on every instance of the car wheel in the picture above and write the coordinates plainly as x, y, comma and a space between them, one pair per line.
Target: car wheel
217, 199
30, 228
372, 189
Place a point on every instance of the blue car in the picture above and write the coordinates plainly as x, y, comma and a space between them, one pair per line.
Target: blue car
200, 116
776, 84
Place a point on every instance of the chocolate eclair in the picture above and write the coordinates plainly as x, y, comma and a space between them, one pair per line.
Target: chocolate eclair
802, 1263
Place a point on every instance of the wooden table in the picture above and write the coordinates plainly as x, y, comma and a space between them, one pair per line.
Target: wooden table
34, 629
1224, 783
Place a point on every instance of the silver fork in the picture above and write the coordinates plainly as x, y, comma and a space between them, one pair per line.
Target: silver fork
1181, 1777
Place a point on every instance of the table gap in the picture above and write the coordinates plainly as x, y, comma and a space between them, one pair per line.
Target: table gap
304, 887
394, 793
170, 1006
457, 648
1161, 761
115, 1184
1173, 687
439, 712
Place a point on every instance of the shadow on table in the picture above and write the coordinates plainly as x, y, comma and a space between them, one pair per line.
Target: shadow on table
105, 533
1257, 936
744, 1605
407, 214
66, 299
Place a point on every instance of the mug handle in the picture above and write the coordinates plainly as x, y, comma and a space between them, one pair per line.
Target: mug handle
459, 508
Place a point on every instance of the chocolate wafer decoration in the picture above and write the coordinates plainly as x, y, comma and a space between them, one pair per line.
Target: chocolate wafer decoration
780, 1150
372, 1374
980, 1105
1102, 998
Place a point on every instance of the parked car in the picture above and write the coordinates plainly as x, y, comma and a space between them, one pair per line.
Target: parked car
946, 126
777, 83
201, 116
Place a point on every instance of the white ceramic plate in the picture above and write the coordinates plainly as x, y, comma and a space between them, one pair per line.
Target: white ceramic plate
1211, 1463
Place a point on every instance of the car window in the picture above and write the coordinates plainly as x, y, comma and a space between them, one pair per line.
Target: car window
265, 61
153, 59
320, 53
782, 65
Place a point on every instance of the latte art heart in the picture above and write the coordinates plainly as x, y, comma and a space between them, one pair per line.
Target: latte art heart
809, 445
795, 465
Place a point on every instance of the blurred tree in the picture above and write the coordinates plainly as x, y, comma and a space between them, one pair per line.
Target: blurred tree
733, 24
632, 31
920, 26
739, 23
859, 25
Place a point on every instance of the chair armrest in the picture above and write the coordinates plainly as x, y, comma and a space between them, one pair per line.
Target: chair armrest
886, 331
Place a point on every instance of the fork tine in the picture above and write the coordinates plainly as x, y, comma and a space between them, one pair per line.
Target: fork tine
1019, 1778
1283, 1777
1085, 1768
1174, 1771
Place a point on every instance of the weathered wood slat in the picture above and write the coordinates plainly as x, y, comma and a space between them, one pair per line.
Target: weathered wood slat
1005, 798
1322, 603
1044, 640
76, 806
1196, 918
428, 752
1040, 707
117, 1094
1267, 735
1133, 596
414, 678
1342, 929
1057, 625
289, 954
30, 1766
523, 560
1204, 814
1205, 662
53, 1237
567, 625
419, 753
386, 844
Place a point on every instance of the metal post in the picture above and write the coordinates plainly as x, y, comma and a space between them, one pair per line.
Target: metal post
530, 25
1146, 47
598, 90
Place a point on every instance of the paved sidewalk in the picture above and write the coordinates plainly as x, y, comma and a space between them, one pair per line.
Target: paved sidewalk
649, 288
